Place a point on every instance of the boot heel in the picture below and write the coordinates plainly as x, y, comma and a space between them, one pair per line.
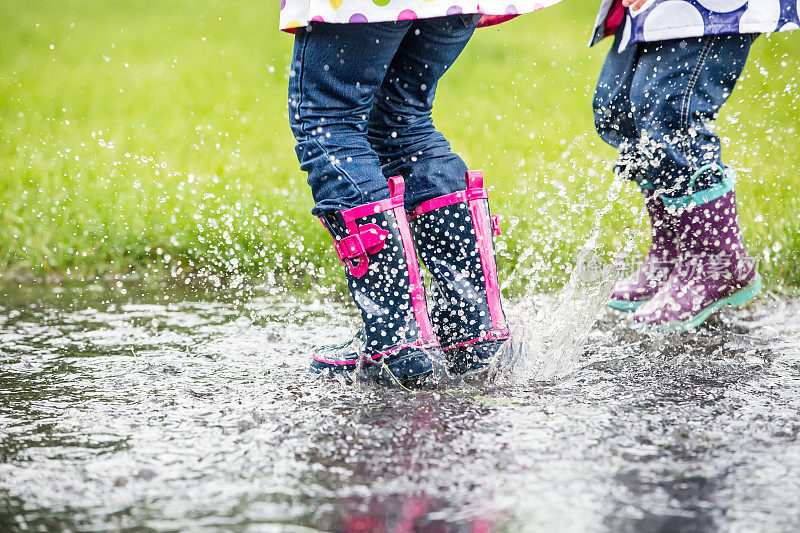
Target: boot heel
409, 368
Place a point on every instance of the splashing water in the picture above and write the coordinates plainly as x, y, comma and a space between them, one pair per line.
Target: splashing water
137, 411
549, 333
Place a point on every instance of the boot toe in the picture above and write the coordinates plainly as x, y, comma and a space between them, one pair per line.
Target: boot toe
407, 366
475, 356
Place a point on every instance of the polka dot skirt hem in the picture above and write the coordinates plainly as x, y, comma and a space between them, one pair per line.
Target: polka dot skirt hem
299, 13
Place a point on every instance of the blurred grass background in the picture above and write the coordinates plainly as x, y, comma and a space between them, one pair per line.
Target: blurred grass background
151, 138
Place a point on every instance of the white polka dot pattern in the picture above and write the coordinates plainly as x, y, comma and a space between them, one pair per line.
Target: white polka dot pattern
722, 6
298, 13
466, 313
712, 263
677, 19
762, 12
657, 24
446, 243
383, 293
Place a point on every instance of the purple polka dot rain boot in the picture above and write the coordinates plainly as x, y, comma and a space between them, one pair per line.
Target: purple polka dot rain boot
631, 292
397, 343
713, 268
453, 235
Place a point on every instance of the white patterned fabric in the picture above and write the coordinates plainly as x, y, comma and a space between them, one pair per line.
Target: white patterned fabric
298, 13
660, 20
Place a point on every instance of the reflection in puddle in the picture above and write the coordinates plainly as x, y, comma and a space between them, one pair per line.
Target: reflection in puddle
129, 410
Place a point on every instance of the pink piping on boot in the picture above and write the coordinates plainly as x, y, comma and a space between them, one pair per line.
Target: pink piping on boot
416, 288
481, 223
478, 193
423, 344
365, 240
491, 335
488, 263
351, 215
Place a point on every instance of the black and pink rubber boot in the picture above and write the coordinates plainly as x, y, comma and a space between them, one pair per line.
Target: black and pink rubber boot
454, 237
397, 343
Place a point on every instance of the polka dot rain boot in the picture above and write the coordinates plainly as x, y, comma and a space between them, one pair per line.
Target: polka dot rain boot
397, 343
713, 268
634, 290
453, 235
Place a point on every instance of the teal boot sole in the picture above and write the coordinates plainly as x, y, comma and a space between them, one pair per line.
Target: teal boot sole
625, 305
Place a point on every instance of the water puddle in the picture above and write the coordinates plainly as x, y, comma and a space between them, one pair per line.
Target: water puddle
173, 410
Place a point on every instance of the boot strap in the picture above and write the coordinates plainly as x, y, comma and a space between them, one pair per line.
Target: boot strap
369, 240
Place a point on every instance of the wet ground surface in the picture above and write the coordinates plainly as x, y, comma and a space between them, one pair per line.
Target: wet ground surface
169, 410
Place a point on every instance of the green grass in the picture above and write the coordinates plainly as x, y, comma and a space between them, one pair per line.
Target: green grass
152, 138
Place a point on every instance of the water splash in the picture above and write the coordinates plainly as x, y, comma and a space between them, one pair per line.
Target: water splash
123, 411
549, 332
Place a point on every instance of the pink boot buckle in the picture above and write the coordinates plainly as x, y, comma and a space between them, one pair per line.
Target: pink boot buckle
370, 240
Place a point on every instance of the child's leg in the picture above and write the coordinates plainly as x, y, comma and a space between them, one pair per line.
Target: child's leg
677, 90
614, 120
400, 127
679, 87
336, 70
613, 111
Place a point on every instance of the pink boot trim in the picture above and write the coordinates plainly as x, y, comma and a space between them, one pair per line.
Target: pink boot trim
365, 240
491, 335
483, 226
416, 287
422, 344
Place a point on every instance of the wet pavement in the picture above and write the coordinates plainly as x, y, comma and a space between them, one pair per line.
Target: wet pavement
176, 409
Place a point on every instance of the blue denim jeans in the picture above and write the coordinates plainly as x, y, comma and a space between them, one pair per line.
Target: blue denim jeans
654, 102
360, 101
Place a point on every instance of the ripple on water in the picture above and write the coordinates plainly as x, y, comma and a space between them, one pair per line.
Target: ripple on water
198, 412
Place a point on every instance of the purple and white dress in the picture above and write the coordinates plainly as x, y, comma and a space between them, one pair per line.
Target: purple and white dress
298, 13
661, 20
